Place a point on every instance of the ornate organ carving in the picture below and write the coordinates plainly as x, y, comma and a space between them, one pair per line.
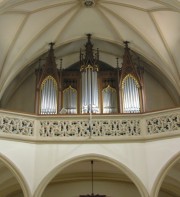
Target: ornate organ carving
48, 86
131, 83
89, 71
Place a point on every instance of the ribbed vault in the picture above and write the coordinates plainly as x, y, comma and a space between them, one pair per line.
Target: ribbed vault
27, 27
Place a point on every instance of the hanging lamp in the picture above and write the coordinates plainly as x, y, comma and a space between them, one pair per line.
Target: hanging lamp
92, 185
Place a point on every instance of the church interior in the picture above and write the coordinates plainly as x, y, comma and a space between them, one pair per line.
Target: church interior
89, 98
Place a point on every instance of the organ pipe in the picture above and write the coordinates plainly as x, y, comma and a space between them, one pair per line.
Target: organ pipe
131, 101
70, 100
48, 96
109, 100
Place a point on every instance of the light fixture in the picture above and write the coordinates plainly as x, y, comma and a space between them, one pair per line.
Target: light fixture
92, 185
88, 3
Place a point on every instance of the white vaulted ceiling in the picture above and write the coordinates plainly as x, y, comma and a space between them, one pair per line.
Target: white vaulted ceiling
27, 26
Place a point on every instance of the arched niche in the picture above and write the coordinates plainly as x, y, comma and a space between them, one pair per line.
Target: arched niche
74, 176
12, 182
167, 183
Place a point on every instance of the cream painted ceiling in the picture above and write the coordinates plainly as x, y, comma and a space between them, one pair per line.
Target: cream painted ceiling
151, 26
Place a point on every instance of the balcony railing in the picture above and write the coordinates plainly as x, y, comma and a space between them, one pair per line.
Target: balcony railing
89, 128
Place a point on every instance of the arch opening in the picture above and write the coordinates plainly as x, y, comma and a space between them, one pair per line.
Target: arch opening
73, 178
13, 183
168, 181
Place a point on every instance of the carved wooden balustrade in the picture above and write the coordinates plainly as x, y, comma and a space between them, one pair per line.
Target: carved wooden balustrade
90, 128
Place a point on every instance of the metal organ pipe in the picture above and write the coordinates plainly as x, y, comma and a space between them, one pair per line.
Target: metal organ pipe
47, 92
45, 97
89, 91
131, 101
128, 95
42, 101
125, 97
93, 88
52, 95
48, 97
132, 95
136, 97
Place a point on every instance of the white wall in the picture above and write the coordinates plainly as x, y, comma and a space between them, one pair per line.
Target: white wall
39, 163
157, 97
24, 97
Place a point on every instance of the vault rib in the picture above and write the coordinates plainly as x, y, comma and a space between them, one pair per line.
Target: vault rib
14, 5
142, 37
164, 43
37, 36
53, 6
112, 26
122, 4
13, 43
175, 5
66, 25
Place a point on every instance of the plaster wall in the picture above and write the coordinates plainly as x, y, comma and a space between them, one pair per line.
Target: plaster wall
156, 96
164, 194
39, 163
16, 195
23, 98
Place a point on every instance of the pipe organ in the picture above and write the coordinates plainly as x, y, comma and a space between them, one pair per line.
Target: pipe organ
89, 85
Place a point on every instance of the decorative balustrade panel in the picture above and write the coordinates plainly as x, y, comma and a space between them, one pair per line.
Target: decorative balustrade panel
16, 126
65, 128
115, 128
163, 124
142, 126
